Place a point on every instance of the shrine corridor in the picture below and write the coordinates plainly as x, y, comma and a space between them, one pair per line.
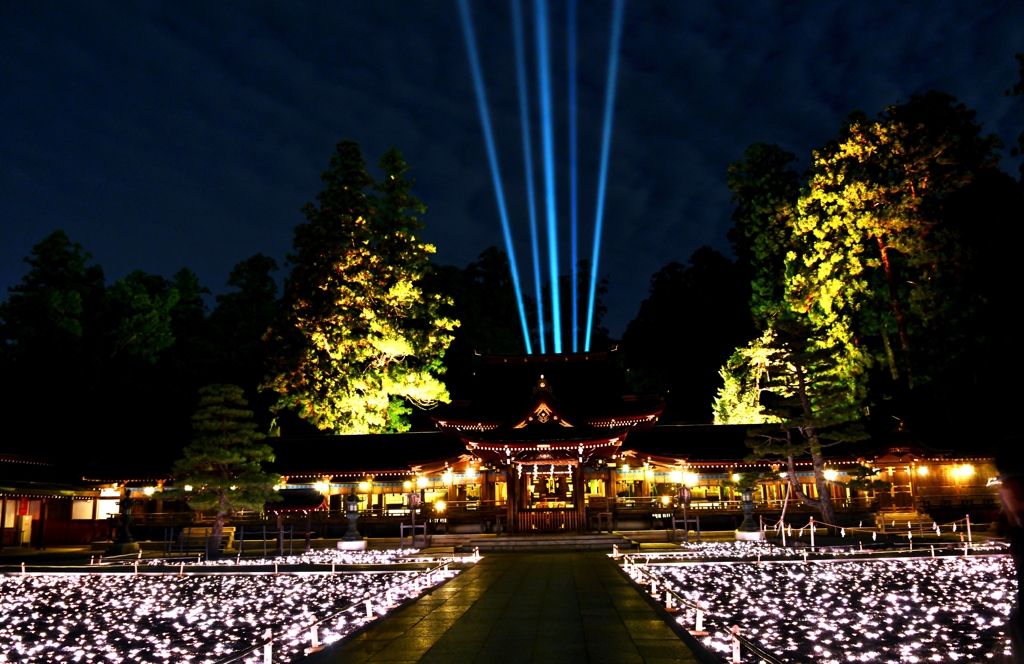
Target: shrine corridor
530, 607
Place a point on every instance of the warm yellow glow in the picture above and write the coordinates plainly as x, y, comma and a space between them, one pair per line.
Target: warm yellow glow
649, 474
149, 491
665, 500
831, 475
322, 487
735, 477
922, 470
233, 487
690, 479
421, 482
364, 486
470, 472
447, 477
964, 471
276, 487
439, 505
625, 467
783, 475
188, 487
407, 485
676, 476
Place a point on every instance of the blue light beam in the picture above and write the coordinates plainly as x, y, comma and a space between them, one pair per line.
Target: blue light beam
492, 155
524, 114
547, 134
572, 173
618, 9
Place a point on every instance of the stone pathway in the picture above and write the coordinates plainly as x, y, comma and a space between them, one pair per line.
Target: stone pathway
555, 607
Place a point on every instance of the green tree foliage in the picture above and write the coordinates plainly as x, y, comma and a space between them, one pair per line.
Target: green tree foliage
694, 315
141, 306
223, 461
765, 190
871, 242
50, 313
808, 395
357, 333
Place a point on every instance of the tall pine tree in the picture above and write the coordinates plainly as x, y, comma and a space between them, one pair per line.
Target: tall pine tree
223, 463
358, 337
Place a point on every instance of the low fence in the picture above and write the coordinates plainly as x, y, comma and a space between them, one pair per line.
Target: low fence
672, 600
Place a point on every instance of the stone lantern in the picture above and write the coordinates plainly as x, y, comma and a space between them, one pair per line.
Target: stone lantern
352, 540
748, 530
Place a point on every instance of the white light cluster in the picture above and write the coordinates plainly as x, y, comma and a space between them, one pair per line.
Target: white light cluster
708, 550
893, 610
166, 618
315, 557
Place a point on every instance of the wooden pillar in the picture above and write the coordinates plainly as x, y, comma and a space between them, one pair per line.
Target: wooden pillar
309, 527
580, 495
511, 497
44, 504
3, 519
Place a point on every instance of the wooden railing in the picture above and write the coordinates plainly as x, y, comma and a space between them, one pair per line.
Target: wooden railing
548, 521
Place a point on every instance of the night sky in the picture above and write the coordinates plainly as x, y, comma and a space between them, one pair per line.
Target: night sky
161, 135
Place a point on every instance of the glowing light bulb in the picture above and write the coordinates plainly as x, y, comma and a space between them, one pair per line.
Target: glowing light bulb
665, 500
421, 482
322, 487
407, 485
922, 470
149, 491
735, 477
690, 479
831, 474
439, 505
364, 486
676, 476
188, 487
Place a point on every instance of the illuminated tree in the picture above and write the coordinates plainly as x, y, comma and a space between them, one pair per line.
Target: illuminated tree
358, 336
223, 461
765, 190
805, 392
871, 244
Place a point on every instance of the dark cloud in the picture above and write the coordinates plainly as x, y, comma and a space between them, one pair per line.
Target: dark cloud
162, 135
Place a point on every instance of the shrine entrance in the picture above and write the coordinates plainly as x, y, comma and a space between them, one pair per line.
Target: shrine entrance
542, 446
552, 500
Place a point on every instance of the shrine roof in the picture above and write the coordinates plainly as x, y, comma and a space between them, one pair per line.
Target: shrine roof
695, 443
544, 433
585, 386
365, 454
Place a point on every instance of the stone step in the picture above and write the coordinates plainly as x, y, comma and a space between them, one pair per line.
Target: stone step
549, 543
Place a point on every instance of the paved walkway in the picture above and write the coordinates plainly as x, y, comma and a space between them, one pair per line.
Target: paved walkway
557, 607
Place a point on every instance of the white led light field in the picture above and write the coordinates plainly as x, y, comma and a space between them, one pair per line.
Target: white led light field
195, 618
893, 610
315, 557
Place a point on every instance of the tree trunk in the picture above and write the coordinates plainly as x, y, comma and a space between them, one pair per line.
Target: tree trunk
824, 502
897, 307
827, 509
217, 532
890, 358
